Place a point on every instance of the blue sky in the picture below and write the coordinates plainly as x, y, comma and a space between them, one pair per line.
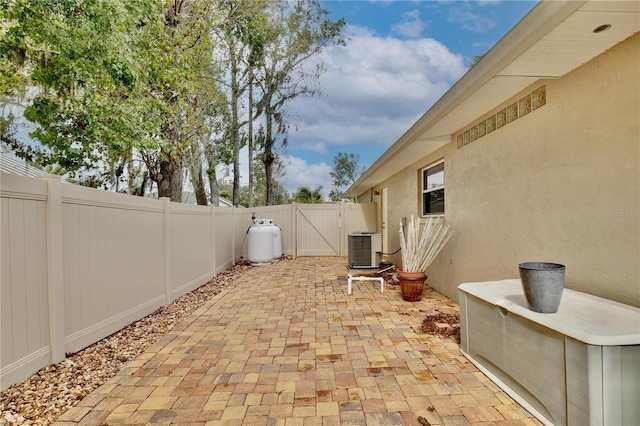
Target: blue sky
401, 57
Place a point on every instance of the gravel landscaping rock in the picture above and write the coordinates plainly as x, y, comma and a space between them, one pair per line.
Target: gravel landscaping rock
43, 397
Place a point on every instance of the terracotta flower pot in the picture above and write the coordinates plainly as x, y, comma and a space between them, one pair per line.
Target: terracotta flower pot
411, 285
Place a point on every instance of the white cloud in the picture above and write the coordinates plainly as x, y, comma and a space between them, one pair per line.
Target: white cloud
473, 20
411, 26
300, 173
373, 90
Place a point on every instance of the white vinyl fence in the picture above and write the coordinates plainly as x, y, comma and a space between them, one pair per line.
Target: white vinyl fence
78, 264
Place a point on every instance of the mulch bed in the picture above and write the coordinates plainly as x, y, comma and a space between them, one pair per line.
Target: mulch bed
43, 397
441, 324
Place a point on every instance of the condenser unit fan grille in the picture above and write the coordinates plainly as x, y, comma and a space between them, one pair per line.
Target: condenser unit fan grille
364, 250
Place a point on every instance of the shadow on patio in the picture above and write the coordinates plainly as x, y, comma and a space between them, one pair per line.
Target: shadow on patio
286, 344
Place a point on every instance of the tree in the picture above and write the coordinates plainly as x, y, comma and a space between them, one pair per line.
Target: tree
240, 38
215, 152
47, 45
299, 31
113, 86
196, 174
280, 194
178, 72
259, 187
256, 194
345, 172
307, 196
112, 76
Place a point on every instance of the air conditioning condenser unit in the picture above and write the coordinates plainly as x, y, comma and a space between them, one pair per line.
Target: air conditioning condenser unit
365, 250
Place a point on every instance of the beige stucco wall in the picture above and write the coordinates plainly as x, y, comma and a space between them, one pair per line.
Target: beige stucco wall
560, 184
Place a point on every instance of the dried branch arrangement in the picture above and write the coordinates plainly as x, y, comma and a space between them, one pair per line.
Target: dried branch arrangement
420, 249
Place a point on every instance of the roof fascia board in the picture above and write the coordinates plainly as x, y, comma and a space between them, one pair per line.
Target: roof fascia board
544, 17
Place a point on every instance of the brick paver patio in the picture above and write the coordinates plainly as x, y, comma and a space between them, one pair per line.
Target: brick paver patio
286, 345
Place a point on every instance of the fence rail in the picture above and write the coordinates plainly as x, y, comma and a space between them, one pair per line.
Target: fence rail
78, 264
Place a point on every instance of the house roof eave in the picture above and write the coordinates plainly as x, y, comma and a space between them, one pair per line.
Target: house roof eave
500, 75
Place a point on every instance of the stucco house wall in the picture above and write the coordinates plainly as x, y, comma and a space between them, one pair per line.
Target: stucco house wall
561, 184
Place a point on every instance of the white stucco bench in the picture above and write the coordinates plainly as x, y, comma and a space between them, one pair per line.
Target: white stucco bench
580, 365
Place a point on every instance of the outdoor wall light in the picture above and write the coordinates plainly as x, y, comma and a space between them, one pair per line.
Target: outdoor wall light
602, 28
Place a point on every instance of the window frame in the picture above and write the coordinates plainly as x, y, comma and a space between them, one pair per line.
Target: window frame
424, 191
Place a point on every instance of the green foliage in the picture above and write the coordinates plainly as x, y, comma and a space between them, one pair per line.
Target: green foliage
111, 76
345, 172
75, 53
7, 127
306, 195
476, 59
279, 193
259, 196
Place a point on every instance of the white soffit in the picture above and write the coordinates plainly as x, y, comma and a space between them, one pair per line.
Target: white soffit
573, 43
569, 45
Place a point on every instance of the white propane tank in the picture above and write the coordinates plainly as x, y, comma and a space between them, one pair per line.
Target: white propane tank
264, 242
277, 242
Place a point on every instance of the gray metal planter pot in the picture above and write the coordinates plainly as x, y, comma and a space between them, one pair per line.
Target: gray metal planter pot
543, 283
